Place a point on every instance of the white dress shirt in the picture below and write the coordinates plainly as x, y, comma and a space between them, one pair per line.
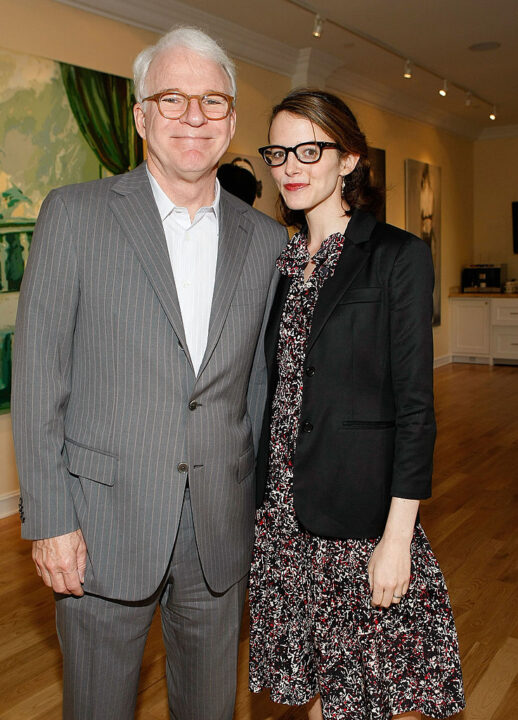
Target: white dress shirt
193, 251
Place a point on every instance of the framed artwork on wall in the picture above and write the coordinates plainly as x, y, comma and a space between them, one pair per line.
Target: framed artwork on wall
59, 124
514, 210
423, 216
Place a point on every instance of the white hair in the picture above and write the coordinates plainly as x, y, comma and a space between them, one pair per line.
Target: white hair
183, 36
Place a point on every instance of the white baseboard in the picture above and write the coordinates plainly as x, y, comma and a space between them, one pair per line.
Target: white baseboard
471, 359
442, 360
9, 503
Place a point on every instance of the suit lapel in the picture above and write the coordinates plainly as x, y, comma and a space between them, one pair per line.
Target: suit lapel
235, 232
354, 255
135, 208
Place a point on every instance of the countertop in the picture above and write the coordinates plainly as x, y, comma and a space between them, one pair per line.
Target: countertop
477, 295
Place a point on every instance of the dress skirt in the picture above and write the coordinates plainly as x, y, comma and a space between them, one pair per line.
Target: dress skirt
313, 629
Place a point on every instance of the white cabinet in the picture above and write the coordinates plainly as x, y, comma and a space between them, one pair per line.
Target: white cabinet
504, 330
470, 336
484, 330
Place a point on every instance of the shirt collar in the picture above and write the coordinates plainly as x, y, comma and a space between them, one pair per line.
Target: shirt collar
166, 205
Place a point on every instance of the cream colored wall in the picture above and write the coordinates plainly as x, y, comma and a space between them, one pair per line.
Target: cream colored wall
49, 29
403, 138
8, 476
258, 90
59, 32
495, 188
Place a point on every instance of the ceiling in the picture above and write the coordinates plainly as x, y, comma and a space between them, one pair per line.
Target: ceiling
433, 34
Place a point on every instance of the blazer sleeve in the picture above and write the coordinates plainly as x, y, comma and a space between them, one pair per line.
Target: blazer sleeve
42, 373
411, 349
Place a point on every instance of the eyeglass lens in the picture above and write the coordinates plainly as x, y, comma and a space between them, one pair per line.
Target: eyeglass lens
213, 105
306, 153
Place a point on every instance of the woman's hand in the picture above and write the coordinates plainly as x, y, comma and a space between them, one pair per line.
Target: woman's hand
389, 566
389, 572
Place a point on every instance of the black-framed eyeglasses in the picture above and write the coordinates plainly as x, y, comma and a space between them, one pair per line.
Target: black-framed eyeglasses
308, 152
173, 104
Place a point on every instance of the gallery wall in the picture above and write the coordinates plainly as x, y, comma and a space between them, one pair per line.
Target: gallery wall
495, 188
56, 31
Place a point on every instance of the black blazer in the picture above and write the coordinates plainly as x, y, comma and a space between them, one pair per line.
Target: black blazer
367, 426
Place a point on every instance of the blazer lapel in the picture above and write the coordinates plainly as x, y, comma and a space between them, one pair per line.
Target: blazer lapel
274, 323
135, 209
354, 255
235, 231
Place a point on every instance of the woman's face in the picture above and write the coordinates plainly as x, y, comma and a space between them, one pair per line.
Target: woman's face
308, 186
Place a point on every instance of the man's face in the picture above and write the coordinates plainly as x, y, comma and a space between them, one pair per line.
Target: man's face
188, 148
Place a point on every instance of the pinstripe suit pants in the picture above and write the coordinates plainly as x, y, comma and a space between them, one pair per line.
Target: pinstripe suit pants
103, 640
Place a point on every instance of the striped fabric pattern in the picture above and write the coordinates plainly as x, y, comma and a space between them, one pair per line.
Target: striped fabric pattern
107, 411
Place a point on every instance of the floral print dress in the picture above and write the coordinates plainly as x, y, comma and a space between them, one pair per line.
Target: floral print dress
313, 629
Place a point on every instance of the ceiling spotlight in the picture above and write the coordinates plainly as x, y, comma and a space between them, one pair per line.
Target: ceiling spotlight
407, 73
468, 99
492, 114
444, 90
317, 26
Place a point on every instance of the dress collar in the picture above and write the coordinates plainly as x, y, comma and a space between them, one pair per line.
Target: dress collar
295, 255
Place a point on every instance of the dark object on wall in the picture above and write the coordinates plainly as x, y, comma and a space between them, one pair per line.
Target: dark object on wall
515, 226
377, 162
240, 181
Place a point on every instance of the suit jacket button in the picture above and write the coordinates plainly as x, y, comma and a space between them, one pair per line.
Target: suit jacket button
310, 371
182, 467
307, 427
193, 405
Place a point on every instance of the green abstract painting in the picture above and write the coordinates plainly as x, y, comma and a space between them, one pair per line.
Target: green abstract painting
42, 146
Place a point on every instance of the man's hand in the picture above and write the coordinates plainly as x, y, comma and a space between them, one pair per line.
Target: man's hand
61, 561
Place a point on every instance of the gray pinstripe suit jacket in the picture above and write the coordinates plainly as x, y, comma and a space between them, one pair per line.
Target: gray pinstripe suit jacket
103, 382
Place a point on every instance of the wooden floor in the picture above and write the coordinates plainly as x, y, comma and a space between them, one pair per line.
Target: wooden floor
471, 522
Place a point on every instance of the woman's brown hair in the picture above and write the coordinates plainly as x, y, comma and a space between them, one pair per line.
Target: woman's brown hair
335, 118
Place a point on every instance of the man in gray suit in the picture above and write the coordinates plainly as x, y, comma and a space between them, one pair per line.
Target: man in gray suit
138, 387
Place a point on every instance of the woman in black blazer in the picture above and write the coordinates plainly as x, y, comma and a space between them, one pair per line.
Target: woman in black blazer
349, 610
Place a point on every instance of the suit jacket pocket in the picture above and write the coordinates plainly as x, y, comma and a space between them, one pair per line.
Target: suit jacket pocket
89, 463
362, 295
246, 463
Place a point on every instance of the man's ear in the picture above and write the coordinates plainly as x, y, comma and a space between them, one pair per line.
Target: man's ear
232, 123
140, 120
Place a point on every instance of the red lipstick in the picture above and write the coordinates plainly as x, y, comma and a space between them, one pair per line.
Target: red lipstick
294, 186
